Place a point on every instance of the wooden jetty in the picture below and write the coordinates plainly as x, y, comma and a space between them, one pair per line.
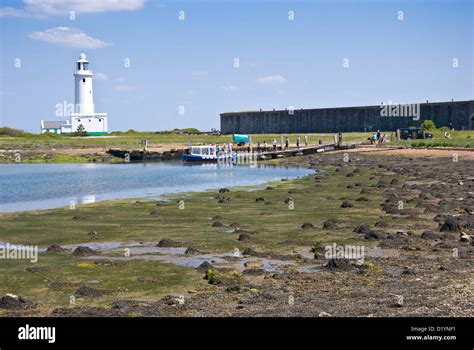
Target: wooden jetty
292, 152
280, 152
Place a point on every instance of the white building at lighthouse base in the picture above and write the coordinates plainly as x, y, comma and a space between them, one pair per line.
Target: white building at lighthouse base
94, 124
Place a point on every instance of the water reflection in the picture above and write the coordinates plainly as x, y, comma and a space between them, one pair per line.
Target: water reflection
43, 186
86, 199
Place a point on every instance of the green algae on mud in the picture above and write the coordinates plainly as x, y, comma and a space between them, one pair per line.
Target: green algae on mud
272, 217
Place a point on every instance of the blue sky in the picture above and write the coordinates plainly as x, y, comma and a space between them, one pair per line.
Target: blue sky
190, 62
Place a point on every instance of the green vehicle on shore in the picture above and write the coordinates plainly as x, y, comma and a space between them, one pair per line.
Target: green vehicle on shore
240, 139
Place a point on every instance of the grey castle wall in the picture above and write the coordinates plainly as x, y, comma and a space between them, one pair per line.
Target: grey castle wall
459, 114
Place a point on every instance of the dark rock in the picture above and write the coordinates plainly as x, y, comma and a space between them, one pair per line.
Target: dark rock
217, 224
191, 251
79, 217
83, 251
451, 224
339, 264
381, 223
38, 269
13, 302
346, 204
362, 229
251, 252
390, 208
169, 243
234, 288
204, 266
330, 224
392, 197
307, 225
430, 235
244, 237
217, 217
372, 235
260, 199
288, 200
223, 190
84, 291
362, 199
55, 248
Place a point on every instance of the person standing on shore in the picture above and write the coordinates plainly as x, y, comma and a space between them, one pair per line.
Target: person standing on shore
373, 140
265, 146
287, 143
274, 143
258, 147
298, 141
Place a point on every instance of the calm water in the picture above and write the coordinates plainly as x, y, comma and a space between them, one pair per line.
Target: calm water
44, 186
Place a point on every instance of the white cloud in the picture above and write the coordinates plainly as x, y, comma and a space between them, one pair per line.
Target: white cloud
68, 37
124, 88
44, 8
230, 88
100, 76
198, 73
271, 79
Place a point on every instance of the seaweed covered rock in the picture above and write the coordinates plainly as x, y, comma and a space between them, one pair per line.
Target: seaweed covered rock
168, 243
83, 251
307, 225
451, 224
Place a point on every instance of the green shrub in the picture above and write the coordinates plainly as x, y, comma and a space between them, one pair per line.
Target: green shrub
12, 132
428, 125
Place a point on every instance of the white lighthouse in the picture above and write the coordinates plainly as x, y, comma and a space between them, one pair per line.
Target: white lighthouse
84, 111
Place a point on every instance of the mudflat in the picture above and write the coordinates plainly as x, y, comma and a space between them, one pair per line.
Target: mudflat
235, 252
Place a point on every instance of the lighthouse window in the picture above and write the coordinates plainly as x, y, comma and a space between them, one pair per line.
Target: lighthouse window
83, 80
78, 66
86, 66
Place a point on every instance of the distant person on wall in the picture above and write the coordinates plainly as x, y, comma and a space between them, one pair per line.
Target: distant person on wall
229, 148
298, 141
287, 143
306, 140
274, 143
378, 135
382, 138
258, 147
265, 146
